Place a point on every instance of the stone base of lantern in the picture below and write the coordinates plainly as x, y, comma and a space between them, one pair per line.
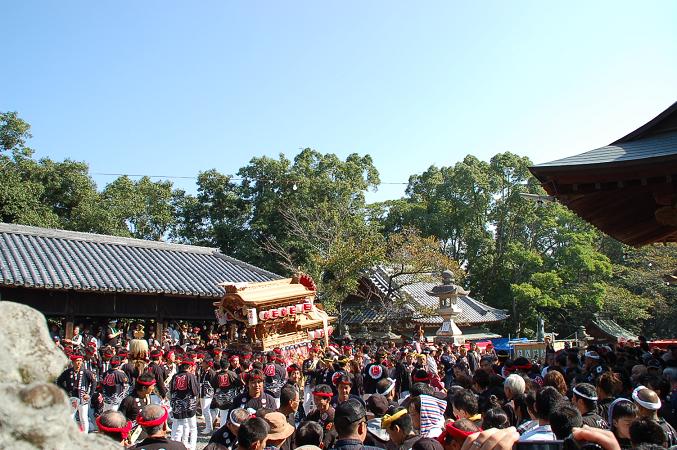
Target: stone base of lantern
449, 333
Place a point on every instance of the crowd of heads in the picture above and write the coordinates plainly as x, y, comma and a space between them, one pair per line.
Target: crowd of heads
417, 395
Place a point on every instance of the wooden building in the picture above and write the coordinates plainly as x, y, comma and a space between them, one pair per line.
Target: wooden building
76, 275
627, 189
408, 308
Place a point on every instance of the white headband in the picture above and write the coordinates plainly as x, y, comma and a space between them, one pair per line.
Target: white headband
613, 405
582, 395
592, 355
390, 388
644, 404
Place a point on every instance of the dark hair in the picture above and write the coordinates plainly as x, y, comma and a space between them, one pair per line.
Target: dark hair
547, 400
421, 389
522, 404
481, 378
254, 374
467, 401
262, 412
647, 431
464, 381
427, 444
573, 357
564, 418
224, 364
309, 433
382, 385
624, 408
588, 390
495, 418
288, 393
404, 422
252, 431
145, 377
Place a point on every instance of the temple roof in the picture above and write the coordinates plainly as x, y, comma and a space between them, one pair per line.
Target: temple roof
627, 188
413, 298
45, 258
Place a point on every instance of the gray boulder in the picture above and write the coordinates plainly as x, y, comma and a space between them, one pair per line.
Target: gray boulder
34, 412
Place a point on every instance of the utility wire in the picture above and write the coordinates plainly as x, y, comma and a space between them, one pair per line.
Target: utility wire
195, 178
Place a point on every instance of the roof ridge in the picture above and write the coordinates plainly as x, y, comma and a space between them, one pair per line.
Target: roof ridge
105, 239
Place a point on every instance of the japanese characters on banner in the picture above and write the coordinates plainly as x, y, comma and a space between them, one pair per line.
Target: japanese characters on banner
531, 350
254, 316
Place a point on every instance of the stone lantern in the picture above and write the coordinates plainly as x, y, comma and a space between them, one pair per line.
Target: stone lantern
448, 294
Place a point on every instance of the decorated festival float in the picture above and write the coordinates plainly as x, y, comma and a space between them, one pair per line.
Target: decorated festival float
275, 314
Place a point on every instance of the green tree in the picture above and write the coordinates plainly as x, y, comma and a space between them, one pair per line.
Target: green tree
216, 217
143, 209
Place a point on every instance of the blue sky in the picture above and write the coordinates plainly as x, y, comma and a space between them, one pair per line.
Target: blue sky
163, 87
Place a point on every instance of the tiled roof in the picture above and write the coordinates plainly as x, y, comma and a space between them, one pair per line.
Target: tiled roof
56, 259
613, 329
651, 147
413, 296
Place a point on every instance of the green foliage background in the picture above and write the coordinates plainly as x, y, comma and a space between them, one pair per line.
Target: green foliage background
309, 213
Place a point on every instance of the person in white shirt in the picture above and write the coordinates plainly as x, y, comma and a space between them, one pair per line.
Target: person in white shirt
547, 399
77, 338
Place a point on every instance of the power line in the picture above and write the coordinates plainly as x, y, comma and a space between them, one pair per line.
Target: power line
182, 177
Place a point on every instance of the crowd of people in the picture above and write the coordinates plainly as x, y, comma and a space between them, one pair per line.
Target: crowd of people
366, 395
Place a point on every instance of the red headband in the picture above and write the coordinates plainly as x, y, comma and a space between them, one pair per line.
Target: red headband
146, 383
76, 357
124, 432
152, 423
253, 378
523, 367
188, 362
421, 380
451, 430
323, 394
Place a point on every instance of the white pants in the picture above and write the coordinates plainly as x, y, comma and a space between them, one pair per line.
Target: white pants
308, 403
205, 403
223, 416
83, 413
185, 430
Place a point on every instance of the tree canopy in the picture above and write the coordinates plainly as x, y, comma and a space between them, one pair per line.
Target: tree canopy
309, 214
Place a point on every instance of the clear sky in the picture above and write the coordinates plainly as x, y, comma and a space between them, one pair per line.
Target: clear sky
168, 87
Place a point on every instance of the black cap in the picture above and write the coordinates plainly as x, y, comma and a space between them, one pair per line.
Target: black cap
653, 364
377, 404
349, 412
427, 444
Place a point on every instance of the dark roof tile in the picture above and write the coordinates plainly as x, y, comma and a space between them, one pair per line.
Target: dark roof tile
652, 147
57, 259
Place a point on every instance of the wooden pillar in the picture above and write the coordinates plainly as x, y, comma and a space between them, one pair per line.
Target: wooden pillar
68, 333
159, 329
159, 321
69, 328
